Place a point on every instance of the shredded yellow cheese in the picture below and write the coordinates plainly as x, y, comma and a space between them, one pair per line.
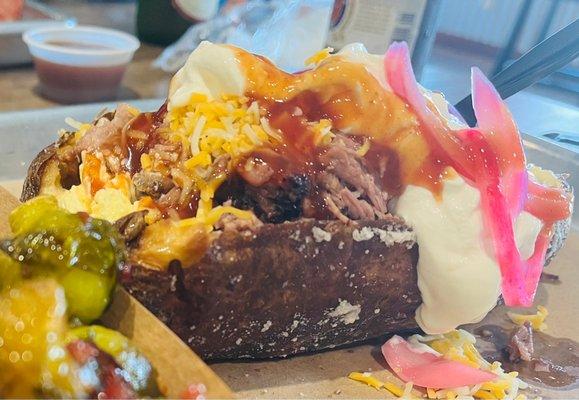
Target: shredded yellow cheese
367, 379
537, 320
483, 394
450, 395
394, 389
146, 161
319, 56
364, 148
377, 384
230, 126
322, 130
214, 215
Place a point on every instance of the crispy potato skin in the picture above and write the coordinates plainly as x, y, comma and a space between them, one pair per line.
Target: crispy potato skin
277, 292
36, 171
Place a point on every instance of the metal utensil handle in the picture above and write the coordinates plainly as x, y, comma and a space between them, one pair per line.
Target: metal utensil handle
543, 59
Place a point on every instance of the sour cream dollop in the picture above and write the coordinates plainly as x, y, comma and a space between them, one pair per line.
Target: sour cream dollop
459, 280
211, 69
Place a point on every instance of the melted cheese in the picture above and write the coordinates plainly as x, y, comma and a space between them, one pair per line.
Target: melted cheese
98, 194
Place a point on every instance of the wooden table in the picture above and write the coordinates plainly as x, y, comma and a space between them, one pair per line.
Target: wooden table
19, 86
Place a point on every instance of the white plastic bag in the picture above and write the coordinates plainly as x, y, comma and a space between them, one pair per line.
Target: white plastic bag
286, 32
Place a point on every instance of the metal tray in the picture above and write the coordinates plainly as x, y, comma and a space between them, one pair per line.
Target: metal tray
24, 133
13, 51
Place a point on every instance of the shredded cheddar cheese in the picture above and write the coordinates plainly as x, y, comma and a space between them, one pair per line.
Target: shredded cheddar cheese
146, 161
367, 379
230, 126
394, 389
377, 384
362, 150
537, 320
211, 128
214, 215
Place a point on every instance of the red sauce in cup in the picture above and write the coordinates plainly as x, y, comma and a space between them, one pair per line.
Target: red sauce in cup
78, 84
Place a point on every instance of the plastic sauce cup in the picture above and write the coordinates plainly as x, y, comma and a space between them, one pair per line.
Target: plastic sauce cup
80, 64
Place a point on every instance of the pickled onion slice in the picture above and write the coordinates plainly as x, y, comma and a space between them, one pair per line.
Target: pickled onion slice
547, 204
496, 123
506, 190
427, 369
519, 278
401, 79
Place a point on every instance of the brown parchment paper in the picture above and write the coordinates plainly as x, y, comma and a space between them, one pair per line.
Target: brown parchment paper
324, 375
175, 364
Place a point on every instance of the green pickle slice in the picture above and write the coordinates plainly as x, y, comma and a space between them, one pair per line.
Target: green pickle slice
59, 270
83, 254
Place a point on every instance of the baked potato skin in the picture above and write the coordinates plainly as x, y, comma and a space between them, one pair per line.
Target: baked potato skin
277, 292
37, 172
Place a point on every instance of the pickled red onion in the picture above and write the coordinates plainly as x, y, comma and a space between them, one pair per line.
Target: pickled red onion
491, 158
427, 369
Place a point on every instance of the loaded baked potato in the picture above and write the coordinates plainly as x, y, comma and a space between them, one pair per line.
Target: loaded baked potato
268, 214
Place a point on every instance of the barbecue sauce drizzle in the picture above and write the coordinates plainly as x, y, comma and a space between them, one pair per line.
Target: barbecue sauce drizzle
357, 104
149, 123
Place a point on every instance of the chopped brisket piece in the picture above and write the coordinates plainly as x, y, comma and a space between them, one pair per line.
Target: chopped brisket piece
152, 184
520, 346
131, 225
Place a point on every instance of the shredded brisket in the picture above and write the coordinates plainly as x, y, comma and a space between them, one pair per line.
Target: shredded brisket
340, 187
520, 346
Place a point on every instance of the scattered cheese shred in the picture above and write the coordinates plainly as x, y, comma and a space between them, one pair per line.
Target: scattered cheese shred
537, 320
367, 379
394, 389
146, 161
362, 150
319, 56
211, 217
483, 394
377, 384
